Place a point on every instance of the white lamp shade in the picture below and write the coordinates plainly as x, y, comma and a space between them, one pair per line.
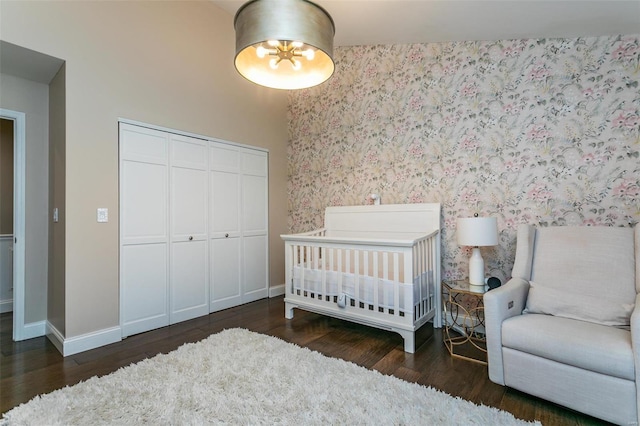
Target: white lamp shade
477, 231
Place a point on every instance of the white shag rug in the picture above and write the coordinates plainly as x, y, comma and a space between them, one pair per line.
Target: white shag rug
241, 377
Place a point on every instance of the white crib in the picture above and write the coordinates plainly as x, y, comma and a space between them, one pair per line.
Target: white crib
377, 265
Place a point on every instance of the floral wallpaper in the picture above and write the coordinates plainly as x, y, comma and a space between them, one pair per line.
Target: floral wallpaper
544, 132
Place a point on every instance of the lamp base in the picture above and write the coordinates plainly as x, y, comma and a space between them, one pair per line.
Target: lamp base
476, 268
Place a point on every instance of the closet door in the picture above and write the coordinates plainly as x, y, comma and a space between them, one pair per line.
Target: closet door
144, 241
225, 241
254, 168
189, 206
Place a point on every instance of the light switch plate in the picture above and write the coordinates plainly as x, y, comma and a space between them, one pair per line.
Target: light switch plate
55, 215
103, 215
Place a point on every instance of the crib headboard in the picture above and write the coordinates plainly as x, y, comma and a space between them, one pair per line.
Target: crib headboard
380, 221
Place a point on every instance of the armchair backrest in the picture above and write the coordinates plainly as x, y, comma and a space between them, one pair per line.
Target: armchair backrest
596, 260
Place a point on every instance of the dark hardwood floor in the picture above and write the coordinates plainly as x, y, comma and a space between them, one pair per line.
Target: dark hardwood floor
35, 367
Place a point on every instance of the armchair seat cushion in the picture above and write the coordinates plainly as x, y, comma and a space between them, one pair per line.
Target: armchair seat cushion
586, 345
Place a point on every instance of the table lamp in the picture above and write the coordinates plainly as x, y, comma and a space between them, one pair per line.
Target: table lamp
476, 232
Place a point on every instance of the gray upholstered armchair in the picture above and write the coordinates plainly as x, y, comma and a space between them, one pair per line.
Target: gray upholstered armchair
564, 327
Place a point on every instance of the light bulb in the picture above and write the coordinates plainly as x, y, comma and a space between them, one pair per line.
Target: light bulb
296, 64
274, 63
261, 52
309, 54
273, 43
297, 44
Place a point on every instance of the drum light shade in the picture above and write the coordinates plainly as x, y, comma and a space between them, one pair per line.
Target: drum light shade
477, 231
284, 44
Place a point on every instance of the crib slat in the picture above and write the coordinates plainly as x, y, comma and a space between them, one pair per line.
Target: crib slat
396, 285
428, 272
308, 265
323, 274
332, 257
296, 260
356, 276
430, 278
302, 268
417, 260
424, 288
376, 282
316, 267
340, 290
420, 260
385, 265
316, 257
367, 272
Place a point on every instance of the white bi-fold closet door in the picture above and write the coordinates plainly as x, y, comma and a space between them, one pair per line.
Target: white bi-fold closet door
238, 220
163, 228
183, 231
188, 199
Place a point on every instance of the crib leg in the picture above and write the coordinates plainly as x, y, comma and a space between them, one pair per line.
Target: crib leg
288, 310
409, 340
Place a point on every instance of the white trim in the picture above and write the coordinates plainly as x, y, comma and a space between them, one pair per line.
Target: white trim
91, 340
34, 329
6, 306
183, 133
54, 335
84, 342
276, 291
19, 254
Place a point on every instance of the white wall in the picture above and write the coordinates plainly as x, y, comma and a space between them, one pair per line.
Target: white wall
33, 99
165, 63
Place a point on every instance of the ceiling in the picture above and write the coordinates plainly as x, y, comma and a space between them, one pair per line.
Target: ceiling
370, 22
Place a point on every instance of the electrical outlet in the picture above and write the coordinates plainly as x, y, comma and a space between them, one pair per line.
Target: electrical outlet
103, 215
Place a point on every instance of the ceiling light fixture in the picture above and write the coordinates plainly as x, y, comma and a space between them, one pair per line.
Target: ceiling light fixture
284, 44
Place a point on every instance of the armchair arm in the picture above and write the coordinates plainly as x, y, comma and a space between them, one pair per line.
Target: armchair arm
499, 304
635, 346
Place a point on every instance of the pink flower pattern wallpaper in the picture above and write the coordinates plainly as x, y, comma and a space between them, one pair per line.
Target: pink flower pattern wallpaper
541, 131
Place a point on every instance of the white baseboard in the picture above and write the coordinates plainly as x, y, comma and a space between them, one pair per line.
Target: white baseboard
276, 291
55, 337
74, 345
85, 342
34, 329
6, 306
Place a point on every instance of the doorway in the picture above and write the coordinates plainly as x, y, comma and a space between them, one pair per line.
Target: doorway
18, 228
6, 215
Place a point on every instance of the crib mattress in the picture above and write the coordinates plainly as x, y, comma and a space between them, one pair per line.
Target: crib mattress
344, 282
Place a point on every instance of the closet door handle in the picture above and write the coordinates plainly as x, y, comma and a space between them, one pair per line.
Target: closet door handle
190, 238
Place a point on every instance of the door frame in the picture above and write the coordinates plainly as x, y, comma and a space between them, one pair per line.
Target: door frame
19, 254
